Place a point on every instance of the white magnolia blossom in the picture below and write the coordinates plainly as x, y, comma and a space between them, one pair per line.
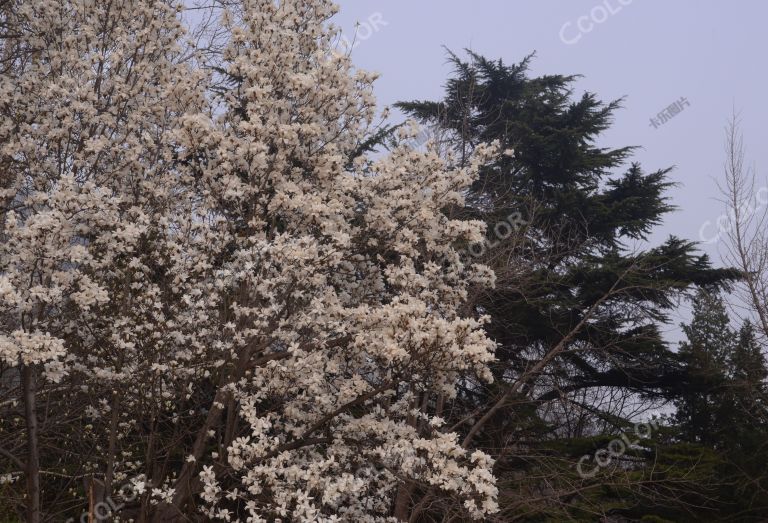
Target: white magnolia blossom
202, 237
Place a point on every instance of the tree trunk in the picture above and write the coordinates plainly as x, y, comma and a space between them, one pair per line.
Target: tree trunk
113, 428
33, 454
403, 501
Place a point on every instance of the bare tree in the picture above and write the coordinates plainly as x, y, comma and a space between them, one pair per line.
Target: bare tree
746, 233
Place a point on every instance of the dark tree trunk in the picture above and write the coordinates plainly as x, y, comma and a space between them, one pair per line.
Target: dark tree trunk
29, 384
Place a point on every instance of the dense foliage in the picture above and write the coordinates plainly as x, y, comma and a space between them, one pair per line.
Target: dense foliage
578, 312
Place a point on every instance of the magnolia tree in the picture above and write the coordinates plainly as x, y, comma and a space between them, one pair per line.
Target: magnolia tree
226, 309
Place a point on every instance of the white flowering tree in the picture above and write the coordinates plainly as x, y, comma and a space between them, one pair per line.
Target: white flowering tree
235, 313
89, 97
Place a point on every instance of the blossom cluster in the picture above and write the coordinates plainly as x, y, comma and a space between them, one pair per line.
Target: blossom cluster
195, 237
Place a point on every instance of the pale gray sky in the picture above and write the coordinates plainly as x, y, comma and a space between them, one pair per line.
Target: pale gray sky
652, 52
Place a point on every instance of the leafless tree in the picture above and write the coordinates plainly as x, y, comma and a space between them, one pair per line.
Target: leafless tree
746, 233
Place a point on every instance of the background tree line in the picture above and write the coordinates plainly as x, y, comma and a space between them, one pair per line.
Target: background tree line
578, 314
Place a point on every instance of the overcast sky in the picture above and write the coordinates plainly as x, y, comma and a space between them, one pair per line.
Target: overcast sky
652, 52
